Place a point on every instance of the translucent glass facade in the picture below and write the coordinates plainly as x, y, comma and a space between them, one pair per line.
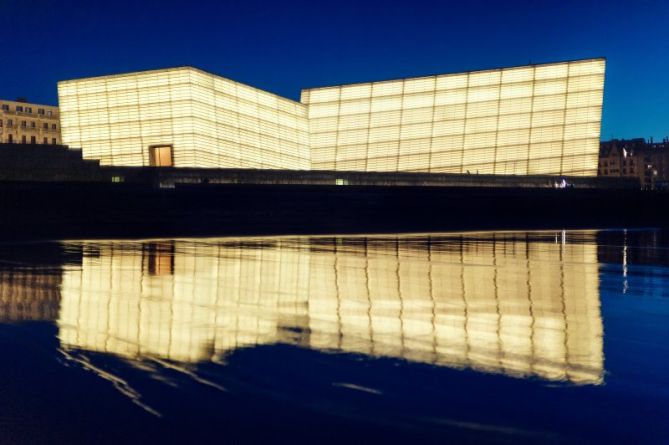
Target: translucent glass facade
209, 121
537, 119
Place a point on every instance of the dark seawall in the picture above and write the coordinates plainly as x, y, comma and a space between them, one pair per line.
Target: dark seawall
42, 210
51, 192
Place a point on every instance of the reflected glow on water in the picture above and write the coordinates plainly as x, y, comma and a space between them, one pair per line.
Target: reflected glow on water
492, 337
517, 304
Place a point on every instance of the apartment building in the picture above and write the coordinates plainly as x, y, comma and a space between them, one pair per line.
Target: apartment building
636, 158
25, 123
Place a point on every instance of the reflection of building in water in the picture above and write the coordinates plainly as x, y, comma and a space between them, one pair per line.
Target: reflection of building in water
30, 279
498, 303
635, 262
219, 298
29, 293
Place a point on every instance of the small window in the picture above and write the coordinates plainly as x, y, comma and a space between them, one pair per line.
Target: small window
5, 107
23, 139
40, 111
10, 138
10, 123
29, 110
53, 141
46, 141
46, 126
33, 140
0, 122
32, 125
53, 127
19, 109
24, 124
48, 113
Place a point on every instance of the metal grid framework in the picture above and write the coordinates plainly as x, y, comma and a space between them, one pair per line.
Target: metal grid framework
424, 300
537, 119
209, 121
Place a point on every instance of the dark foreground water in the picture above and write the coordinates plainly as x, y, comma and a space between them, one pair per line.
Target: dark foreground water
508, 337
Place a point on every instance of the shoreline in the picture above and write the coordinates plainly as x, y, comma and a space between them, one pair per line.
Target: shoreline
60, 210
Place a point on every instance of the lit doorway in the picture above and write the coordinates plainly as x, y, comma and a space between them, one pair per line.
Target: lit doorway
161, 156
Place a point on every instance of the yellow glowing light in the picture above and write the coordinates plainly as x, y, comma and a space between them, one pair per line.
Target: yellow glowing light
208, 121
521, 120
539, 119
508, 306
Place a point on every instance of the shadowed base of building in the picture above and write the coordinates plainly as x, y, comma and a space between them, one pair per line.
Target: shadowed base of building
58, 163
50, 192
70, 210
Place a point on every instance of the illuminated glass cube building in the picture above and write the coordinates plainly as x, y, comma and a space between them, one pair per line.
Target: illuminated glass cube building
183, 117
537, 119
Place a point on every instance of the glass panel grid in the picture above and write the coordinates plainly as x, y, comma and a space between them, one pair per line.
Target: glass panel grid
210, 121
506, 121
538, 119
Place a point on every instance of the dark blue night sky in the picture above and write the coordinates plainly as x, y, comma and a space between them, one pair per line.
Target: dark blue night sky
283, 46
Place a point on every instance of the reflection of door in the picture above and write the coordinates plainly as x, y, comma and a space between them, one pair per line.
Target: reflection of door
158, 258
160, 156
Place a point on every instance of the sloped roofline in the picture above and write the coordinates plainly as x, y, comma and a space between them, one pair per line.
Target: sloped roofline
498, 68
179, 67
